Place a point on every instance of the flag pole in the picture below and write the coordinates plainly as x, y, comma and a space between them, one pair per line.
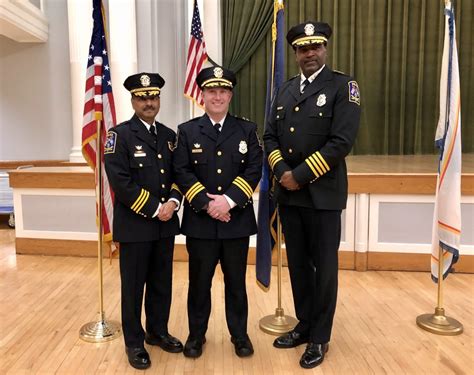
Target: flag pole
438, 323
100, 330
278, 323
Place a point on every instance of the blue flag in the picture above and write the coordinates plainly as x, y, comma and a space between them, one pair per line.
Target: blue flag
267, 223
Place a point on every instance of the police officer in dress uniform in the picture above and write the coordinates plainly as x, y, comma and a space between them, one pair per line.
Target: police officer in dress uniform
217, 164
138, 162
312, 127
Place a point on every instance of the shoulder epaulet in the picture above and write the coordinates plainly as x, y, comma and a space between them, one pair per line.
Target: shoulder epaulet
244, 118
339, 72
120, 126
190, 121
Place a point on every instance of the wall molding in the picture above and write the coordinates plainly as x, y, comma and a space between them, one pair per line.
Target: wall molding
23, 22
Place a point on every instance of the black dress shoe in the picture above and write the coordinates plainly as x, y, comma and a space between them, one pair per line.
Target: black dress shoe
243, 346
313, 355
165, 341
291, 340
193, 347
138, 358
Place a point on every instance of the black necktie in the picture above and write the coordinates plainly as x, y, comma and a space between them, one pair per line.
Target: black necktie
303, 86
153, 130
217, 126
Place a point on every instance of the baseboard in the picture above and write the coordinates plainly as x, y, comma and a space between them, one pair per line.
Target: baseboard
384, 261
348, 260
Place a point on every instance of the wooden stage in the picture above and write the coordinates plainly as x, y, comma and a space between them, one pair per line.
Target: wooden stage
370, 178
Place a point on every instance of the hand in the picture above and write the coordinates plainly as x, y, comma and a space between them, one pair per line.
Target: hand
218, 207
224, 218
288, 181
166, 210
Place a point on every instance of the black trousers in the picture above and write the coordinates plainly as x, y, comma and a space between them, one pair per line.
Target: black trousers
312, 240
149, 263
204, 255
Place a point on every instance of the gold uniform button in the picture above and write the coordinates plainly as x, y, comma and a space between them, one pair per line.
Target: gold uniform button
163, 186
219, 188
243, 161
219, 171
290, 150
195, 161
297, 109
219, 153
162, 199
278, 116
159, 156
162, 171
320, 114
141, 165
292, 129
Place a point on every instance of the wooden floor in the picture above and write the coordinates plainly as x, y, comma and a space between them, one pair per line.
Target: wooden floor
44, 300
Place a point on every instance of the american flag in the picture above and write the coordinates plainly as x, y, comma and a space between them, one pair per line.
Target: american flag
197, 55
99, 105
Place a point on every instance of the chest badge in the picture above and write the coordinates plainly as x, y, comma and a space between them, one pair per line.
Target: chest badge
139, 153
321, 100
197, 148
243, 147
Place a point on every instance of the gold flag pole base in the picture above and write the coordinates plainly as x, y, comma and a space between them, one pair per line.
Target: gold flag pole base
439, 324
277, 324
101, 331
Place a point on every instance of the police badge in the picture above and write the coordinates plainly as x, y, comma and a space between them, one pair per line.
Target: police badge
145, 80
243, 147
321, 100
309, 29
218, 72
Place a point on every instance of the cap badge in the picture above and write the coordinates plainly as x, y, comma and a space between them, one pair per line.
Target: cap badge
218, 72
309, 29
321, 100
145, 80
243, 147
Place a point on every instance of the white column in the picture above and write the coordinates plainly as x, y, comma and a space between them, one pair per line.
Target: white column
211, 23
80, 30
123, 52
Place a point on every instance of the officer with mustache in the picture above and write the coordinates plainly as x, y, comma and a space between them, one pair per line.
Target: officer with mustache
138, 157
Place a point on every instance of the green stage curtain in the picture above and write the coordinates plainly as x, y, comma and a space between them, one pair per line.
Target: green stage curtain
393, 48
245, 25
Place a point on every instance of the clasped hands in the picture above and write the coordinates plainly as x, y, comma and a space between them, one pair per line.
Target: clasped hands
166, 210
288, 181
218, 208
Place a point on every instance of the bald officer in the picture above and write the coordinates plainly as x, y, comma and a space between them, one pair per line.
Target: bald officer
217, 164
312, 127
138, 157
